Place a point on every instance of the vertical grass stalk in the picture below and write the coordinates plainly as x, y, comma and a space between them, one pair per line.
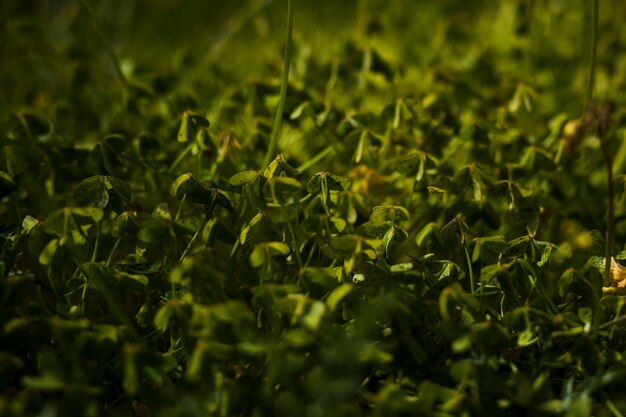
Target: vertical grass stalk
95, 22
605, 140
610, 215
271, 150
469, 269
205, 220
594, 50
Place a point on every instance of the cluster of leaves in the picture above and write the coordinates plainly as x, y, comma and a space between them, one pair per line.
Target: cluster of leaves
426, 250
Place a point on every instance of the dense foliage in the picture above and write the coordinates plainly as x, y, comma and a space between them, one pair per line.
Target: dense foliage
428, 238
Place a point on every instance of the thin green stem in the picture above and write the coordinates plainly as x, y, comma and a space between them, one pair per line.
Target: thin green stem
609, 404
294, 243
312, 161
617, 315
610, 217
181, 156
234, 26
205, 220
111, 300
613, 322
83, 297
606, 146
271, 150
180, 207
107, 47
194, 238
117, 243
592, 57
52, 285
97, 243
469, 268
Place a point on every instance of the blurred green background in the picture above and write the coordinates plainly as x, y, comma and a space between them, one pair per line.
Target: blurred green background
52, 50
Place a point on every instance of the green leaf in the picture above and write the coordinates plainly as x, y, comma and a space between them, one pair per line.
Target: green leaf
29, 223
278, 248
163, 316
318, 281
45, 383
124, 223
285, 184
337, 295
199, 120
476, 185
130, 380
393, 236
361, 146
187, 131
215, 231
333, 182
243, 177
422, 168
134, 281
188, 187
278, 166
92, 191
545, 254
455, 228
517, 247
580, 407
46, 255
153, 232
262, 252
403, 267
565, 281
120, 193
388, 213
489, 272
526, 338
87, 215
598, 262
585, 314
7, 184
314, 315
220, 199
102, 191
488, 248
260, 229
338, 223
424, 233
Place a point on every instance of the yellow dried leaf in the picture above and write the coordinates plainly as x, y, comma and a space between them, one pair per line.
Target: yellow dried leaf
617, 273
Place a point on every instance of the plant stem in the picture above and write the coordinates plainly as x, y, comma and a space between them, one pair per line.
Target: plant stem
205, 220
234, 26
96, 244
180, 207
469, 268
111, 301
314, 160
54, 288
193, 239
609, 404
117, 243
594, 49
271, 150
606, 146
294, 244
610, 217
107, 47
